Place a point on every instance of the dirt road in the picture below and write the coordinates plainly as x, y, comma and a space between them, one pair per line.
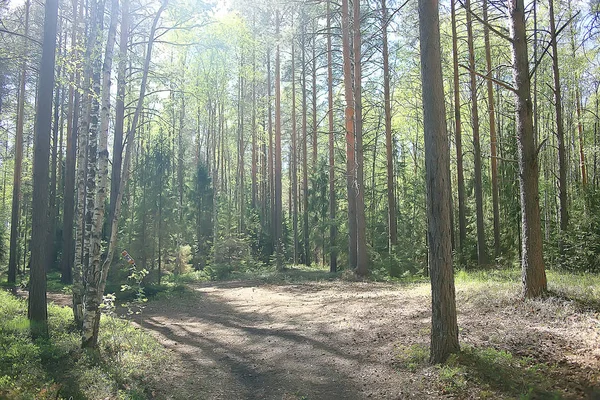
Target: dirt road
342, 340
309, 341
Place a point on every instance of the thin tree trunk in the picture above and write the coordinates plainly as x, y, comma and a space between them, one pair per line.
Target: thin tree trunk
18, 168
294, 153
392, 223
532, 260
444, 329
306, 246
493, 140
332, 197
278, 220
462, 215
560, 130
361, 224
117, 162
349, 120
482, 257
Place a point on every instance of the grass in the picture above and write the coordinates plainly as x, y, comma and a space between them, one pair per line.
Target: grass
56, 368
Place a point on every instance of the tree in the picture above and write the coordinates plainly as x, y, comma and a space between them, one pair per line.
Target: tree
532, 260
37, 310
481, 246
350, 139
332, 197
444, 330
16, 195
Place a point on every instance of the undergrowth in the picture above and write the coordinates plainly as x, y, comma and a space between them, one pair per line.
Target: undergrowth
56, 368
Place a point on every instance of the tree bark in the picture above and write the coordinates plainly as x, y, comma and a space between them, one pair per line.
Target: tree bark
493, 140
18, 168
278, 220
444, 329
392, 223
482, 257
361, 224
532, 260
115, 177
560, 129
37, 310
332, 197
350, 144
93, 294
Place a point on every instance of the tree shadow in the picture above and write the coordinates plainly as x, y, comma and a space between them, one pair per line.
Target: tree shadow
255, 355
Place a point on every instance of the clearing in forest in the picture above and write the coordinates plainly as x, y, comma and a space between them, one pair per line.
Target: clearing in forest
355, 340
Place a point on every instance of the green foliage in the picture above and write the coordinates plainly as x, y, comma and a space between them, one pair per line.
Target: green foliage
411, 357
495, 372
56, 368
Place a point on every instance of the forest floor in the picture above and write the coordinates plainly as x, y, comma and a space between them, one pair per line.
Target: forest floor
335, 339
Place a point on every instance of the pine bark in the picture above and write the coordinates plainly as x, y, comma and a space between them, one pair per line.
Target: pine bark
482, 257
532, 260
460, 181
361, 224
444, 330
493, 140
18, 168
392, 222
560, 128
37, 310
278, 219
332, 196
350, 143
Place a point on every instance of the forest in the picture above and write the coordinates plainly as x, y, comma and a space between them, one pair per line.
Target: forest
299, 199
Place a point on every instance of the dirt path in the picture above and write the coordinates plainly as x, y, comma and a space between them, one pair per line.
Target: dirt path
341, 340
309, 341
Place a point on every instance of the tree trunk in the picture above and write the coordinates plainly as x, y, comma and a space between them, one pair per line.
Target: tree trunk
278, 220
98, 143
462, 215
37, 310
332, 198
306, 245
493, 140
560, 130
115, 177
392, 228
361, 224
481, 247
444, 329
532, 260
349, 121
18, 168
294, 155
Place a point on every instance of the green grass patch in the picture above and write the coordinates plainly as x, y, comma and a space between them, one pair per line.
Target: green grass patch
411, 358
495, 373
56, 368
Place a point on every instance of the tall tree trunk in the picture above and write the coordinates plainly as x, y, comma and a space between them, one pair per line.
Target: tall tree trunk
481, 247
98, 149
444, 329
460, 181
361, 224
392, 224
82, 159
294, 154
560, 130
278, 220
532, 260
332, 197
37, 310
350, 145
306, 246
68, 244
115, 177
493, 140
18, 168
